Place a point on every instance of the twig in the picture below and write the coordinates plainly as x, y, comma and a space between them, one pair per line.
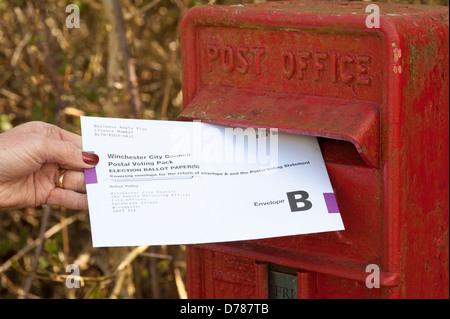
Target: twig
142, 10
55, 277
154, 282
120, 270
10, 95
46, 47
49, 233
111, 107
118, 286
65, 232
130, 257
37, 253
49, 59
158, 256
17, 290
170, 65
19, 48
130, 71
180, 283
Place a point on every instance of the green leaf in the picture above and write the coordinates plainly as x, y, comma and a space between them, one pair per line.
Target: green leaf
163, 265
5, 125
36, 113
5, 246
96, 293
43, 263
15, 264
51, 246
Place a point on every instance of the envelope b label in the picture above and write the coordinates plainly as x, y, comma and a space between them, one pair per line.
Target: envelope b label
298, 201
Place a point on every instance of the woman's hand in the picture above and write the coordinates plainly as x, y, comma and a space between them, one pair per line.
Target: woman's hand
33, 157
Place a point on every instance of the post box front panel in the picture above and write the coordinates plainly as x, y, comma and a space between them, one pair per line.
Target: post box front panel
233, 276
323, 50
344, 66
312, 63
221, 275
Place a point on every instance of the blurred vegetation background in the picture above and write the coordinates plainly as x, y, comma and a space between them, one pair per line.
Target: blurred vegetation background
123, 61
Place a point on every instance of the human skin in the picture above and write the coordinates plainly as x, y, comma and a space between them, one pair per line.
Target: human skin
32, 158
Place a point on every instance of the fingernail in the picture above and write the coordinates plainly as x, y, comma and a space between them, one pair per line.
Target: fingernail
90, 158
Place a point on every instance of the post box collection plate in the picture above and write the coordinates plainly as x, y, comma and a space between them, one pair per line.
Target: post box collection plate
282, 286
377, 99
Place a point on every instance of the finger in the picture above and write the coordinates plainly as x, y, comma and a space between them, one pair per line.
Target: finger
65, 154
49, 130
55, 132
68, 198
69, 137
74, 180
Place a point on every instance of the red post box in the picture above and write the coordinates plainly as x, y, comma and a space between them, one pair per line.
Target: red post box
377, 98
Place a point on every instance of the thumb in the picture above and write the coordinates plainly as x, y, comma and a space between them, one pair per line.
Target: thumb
67, 155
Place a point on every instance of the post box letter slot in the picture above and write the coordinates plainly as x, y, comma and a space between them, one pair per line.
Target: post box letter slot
350, 121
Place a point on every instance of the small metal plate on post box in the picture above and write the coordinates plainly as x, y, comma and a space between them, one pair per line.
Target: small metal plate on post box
282, 286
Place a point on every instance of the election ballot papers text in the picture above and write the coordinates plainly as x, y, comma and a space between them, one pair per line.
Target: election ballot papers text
173, 182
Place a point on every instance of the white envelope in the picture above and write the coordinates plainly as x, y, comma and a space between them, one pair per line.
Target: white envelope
170, 182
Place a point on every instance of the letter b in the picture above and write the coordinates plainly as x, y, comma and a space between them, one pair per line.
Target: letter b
298, 197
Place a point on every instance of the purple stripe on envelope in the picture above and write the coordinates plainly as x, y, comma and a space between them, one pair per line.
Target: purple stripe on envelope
330, 200
90, 175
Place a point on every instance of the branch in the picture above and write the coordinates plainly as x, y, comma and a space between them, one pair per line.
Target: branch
120, 270
49, 233
49, 59
168, 85
130, 71
142, 10
37, 253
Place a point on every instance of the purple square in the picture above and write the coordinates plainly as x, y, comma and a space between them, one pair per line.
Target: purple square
90, 175
330, 200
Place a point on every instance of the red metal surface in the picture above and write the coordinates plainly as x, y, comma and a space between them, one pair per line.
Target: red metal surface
378, 100
353, 121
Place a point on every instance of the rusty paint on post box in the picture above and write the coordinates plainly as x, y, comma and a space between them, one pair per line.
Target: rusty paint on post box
378, 101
